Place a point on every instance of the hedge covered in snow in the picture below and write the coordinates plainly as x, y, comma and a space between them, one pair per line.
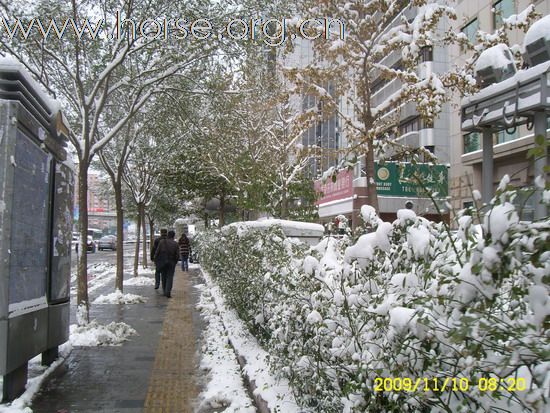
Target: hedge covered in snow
460, 318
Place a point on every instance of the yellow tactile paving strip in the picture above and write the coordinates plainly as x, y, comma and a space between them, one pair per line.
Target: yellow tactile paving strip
172, 387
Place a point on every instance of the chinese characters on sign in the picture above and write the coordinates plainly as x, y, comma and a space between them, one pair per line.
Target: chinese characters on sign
392, 179
332, 191
406, 179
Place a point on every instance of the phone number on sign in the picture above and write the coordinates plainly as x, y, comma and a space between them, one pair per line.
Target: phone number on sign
456, 384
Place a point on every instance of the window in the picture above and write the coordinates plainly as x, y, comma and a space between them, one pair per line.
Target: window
409, 126
378, 85
427, 54
398, 65
525, 203
468, 204
472, 142
501, 10
503, 136
471, 29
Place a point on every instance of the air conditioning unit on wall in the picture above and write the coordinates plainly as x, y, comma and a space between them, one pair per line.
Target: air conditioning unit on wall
495, 65
536, 44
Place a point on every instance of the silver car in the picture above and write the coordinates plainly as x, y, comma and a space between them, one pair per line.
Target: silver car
108, 242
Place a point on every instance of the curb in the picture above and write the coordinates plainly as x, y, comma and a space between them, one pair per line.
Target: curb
261, 404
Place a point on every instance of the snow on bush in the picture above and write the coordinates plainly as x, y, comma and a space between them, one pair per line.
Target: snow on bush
408, 299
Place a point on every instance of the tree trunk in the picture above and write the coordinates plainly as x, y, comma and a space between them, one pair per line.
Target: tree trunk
136, 253
119, 281
83, 304
144, 228
151, 232
372, 193
222, 211
284, 203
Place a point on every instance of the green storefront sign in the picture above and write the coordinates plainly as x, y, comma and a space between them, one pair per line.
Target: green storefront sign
411, 180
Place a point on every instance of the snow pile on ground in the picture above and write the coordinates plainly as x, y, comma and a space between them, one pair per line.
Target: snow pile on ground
140, 281
95, 334
37, 374
224, 389
119, 298
407, 299
92, 334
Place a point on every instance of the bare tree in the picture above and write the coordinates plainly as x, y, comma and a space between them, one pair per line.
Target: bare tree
113, 159
87, 70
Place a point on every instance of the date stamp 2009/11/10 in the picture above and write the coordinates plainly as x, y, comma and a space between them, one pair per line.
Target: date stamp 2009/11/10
443, 384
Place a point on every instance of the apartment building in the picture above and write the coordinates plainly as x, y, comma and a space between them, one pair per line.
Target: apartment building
510, 146
348, 193
101, 208
459, 154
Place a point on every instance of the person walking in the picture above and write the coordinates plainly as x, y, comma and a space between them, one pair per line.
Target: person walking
166, 259
163, 235
185, 250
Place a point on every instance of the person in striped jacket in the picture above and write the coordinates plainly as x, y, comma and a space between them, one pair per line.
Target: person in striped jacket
185, 250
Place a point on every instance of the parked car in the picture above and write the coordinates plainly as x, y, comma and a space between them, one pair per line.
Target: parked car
108, 242
90, 244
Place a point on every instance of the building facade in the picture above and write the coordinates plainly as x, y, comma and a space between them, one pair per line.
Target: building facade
347, 193
458, 153
101, 207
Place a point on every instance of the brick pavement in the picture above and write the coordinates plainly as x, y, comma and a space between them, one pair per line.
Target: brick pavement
172, 385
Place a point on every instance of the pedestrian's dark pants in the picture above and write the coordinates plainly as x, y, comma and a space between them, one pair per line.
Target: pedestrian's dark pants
167, 274
185, 262
157, 277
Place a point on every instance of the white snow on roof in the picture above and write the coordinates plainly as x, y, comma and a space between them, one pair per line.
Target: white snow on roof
520, 77
539, 29
297, 225
10, 63
497, 56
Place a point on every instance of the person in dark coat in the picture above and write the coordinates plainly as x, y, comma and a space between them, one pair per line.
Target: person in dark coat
166, 258
163, 235
185, 250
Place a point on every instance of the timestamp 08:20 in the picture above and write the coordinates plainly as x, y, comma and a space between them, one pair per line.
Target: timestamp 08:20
442, 384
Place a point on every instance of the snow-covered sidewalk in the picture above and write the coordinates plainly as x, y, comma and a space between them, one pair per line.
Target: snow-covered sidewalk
93, 334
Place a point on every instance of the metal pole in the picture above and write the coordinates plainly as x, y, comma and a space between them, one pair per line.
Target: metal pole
487, 166
540, 163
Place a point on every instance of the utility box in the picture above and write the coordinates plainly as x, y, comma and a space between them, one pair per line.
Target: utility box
36, 200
